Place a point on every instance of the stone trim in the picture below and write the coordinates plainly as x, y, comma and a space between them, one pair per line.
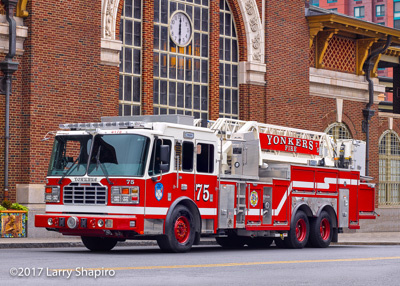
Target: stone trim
110, 50
333, 84
252, 73
110, 47
22, 34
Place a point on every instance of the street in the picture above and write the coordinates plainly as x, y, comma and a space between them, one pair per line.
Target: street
204, 265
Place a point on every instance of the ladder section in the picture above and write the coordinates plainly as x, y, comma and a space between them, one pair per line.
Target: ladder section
277, 143
241, 204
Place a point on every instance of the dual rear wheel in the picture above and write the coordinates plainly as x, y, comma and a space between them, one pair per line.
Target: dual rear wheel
317, 231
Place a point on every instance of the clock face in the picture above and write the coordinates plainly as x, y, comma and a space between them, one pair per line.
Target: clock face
180, 28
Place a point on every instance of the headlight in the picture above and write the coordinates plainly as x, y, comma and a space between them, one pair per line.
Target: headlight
52, 194
125, 195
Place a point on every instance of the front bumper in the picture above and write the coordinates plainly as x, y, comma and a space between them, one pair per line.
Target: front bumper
86, 224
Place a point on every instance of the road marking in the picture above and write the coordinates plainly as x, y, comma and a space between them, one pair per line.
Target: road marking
239, 264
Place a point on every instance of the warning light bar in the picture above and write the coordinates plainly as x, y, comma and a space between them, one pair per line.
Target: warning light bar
105, 125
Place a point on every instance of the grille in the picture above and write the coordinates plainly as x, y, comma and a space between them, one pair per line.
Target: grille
85, 194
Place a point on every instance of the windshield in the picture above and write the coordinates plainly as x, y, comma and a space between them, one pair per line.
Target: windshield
119, 155
70, 154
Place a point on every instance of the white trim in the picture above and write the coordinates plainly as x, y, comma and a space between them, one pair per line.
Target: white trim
208, 211
298, 184
155, 211
96, 209
256, 212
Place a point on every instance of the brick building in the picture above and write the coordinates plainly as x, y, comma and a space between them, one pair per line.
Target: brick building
278, 62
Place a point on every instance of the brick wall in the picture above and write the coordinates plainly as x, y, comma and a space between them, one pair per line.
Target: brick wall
60, 79
287, 58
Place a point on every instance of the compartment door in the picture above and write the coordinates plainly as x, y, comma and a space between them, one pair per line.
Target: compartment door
366, 202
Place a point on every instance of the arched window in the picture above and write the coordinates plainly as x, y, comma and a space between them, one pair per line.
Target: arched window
338, 131
228, 64
389, 168
181, 71
130, 58
180, 68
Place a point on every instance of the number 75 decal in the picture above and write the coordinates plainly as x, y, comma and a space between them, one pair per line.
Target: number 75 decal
200, 188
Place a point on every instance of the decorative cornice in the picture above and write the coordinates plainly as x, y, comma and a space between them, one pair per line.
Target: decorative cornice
355, 26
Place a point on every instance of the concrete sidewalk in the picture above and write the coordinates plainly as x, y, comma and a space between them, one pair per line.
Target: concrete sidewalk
358, 238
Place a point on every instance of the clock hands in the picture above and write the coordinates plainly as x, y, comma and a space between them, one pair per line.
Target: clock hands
180, 25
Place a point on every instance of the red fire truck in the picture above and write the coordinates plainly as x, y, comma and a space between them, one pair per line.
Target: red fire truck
165, 178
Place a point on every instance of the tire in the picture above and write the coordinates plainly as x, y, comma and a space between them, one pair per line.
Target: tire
299, 231
321, 230
97, 244
180, 232
259, 242
233, 241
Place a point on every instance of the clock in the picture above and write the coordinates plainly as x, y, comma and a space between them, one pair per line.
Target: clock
180, 28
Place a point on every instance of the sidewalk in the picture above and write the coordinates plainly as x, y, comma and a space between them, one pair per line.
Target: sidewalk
372, 238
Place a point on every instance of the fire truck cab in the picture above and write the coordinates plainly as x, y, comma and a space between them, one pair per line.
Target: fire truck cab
164, 178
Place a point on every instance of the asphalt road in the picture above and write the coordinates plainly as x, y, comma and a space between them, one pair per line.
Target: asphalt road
204, 265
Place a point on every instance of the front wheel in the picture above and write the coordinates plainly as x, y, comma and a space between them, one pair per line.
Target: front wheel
180, 232
321, 230
299, 231
99, 243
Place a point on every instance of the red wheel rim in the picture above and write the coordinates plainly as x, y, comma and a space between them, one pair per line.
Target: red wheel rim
182, 229
301, 230
325, 229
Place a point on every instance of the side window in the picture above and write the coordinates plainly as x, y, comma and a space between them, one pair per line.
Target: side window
187, 156
205, 158
155, 160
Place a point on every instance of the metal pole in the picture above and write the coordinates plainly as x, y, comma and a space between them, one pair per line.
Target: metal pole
8, 67
7, 137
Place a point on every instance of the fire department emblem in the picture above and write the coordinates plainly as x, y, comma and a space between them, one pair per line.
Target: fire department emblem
253, 198
159, 191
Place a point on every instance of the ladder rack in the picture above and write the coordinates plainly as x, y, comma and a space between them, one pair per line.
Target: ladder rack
226, 129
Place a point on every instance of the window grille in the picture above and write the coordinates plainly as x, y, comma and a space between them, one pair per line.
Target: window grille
228, 64
130, 58
389, 169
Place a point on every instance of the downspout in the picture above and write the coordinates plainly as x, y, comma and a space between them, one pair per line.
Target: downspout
8, 67
368, 112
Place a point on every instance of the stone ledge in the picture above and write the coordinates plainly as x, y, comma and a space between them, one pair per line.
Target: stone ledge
22, 34
110, 50
333, 84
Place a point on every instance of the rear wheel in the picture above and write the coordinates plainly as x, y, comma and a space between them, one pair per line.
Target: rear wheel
321, 230
299, 231
99, 243
180, 232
